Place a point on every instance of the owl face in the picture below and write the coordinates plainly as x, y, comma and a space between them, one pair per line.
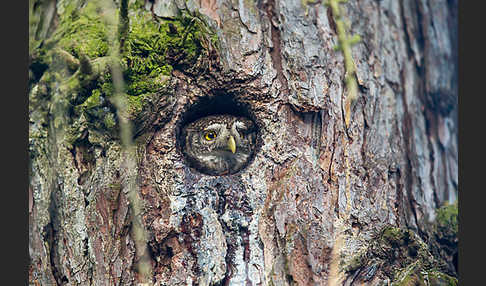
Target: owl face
219, 144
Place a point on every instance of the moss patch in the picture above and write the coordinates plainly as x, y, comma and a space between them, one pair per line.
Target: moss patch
157, 48
446, 220
83, 31
444, 240
413, 275
402, 257
77, 55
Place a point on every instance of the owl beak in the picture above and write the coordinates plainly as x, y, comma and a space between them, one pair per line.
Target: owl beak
232, 144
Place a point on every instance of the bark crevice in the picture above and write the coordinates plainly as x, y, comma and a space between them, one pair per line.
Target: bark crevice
275, 50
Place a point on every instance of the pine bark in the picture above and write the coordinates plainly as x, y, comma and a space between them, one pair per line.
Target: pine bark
316, 195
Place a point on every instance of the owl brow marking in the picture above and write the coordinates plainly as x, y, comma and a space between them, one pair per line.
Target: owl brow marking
212, 127
240, 125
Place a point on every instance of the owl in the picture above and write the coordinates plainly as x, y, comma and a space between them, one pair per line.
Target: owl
219, 144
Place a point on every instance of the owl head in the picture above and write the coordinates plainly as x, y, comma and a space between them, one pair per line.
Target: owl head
219, 144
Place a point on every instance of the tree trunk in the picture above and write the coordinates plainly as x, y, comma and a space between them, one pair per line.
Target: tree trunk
321, 203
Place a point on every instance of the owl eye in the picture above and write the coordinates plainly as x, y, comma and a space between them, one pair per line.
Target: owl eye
209, 135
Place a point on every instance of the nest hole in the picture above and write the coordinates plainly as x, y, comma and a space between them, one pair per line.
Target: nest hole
219, 104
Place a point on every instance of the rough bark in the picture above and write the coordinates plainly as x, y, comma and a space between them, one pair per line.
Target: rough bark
316, 199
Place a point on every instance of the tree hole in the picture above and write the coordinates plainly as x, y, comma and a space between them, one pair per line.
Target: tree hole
218, 135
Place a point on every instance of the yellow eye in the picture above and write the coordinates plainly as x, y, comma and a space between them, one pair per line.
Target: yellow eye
210, 135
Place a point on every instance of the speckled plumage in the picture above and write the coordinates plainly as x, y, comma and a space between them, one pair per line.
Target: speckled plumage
214, 157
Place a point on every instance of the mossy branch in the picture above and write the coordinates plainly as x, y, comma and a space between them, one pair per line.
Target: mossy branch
345, 42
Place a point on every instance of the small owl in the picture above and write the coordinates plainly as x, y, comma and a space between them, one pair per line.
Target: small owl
219, 144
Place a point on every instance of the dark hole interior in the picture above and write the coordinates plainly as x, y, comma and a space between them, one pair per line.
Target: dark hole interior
222, 104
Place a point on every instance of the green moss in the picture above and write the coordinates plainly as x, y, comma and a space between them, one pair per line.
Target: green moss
83, 31
394, 236
414, 275
416, 264
402, 256
106, 87
109, 120
151, 51
93, 100
91, 106
135, 103
408, 276
439, 278
447, 218
75, 132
